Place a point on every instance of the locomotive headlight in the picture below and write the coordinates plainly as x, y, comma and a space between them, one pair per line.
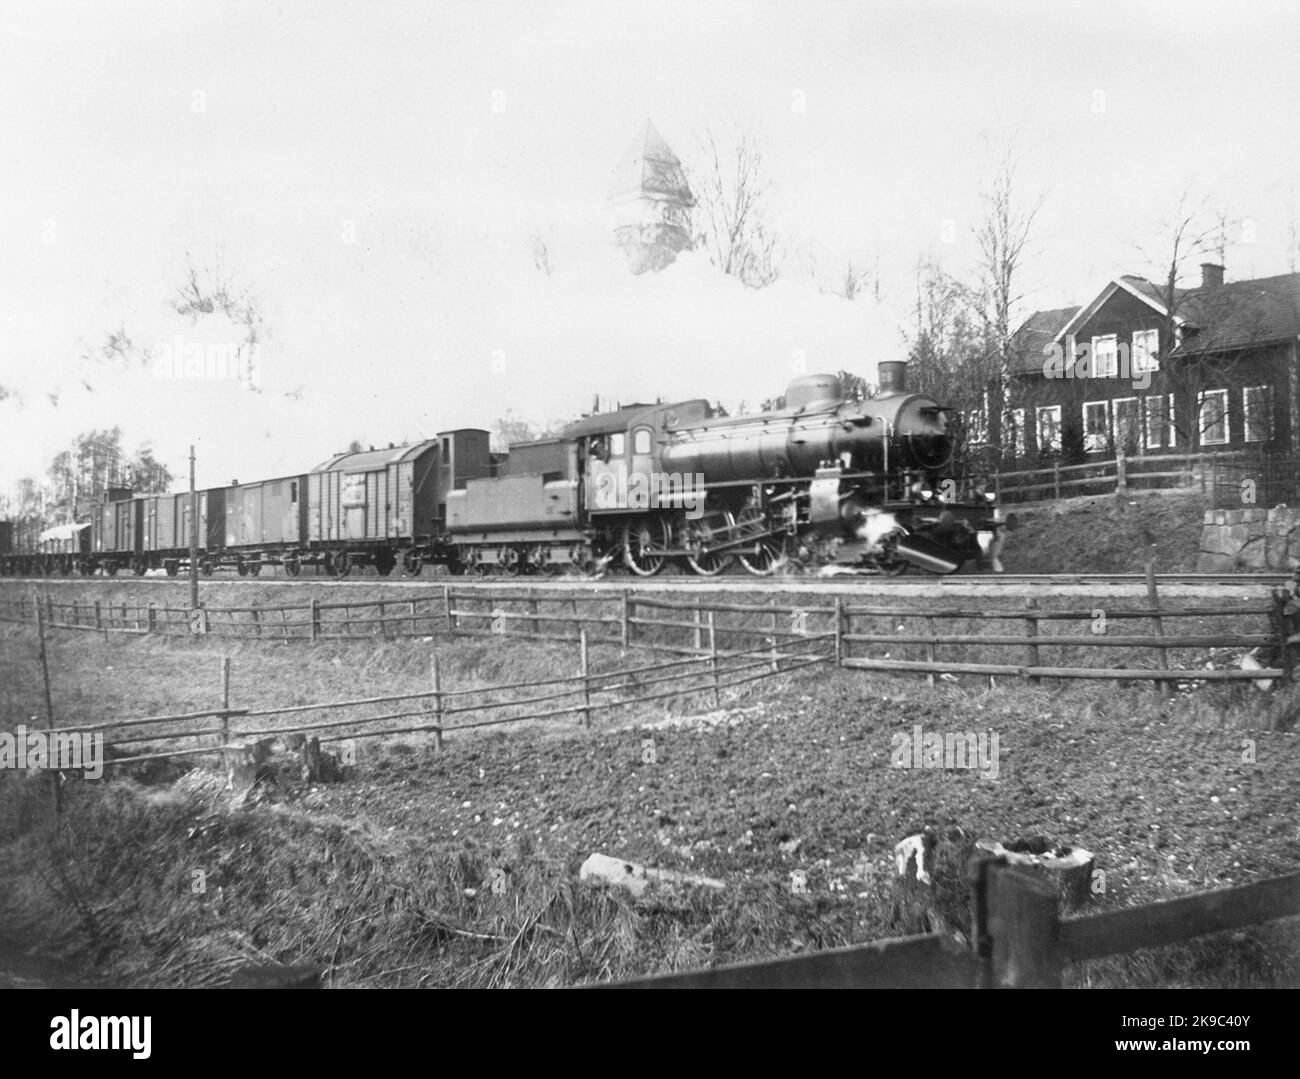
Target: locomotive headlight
989, 496
926, 493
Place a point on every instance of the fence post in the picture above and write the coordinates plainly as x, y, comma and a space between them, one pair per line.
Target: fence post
450, 614
1031, 627
713, 660
586, 680
436, 675
626, 627
1121, 472
315, 619
414, 631
99, 620
257, 622
1214, 477
383, 619
776, 663
930, 649
1056, 479
532, 609
839, 631
225, 712
1200, 467
49, 699
49, 609
1023, 925
698, 632
1157, 623
1280, 626
153, 616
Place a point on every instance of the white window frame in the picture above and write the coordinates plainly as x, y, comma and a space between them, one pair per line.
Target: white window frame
1156, 424
1247, 435
1205, 395
1054, 442
1171, 424
1144, 357
977, 427
1104, 405
1114, 411
1112, 361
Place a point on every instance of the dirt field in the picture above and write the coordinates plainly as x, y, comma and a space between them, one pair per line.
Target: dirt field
387, 877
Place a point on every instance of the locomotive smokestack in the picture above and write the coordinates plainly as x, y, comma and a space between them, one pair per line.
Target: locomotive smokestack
892, 377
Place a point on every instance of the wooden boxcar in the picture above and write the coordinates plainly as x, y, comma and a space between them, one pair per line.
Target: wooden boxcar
267, 514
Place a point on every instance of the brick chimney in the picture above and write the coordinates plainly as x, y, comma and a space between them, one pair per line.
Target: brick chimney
1211, 275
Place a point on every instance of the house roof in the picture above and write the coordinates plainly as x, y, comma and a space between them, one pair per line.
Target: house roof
1234, 315
649, 168
1239, 314
1038, 331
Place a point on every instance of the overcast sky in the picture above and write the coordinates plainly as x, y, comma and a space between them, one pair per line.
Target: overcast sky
371, 173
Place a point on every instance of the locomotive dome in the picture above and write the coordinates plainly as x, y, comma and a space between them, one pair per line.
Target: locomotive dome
814, 391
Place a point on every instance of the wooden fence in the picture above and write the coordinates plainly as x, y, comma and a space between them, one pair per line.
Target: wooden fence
225, 730
1020, 941
1070, 643
1117, 475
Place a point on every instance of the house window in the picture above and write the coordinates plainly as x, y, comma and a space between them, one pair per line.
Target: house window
1049, 428
1128, 425
293, 491
977, 429
1157, 420
1214, 418
1096, 426
1257, 413
1146, 347
641, 440
1016, 433
1105, 361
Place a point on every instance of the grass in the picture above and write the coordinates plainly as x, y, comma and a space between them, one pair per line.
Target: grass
386, 878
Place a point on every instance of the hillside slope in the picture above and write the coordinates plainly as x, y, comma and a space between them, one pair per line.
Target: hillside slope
1106, 534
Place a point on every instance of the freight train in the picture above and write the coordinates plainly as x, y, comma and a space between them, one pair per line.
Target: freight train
862, 483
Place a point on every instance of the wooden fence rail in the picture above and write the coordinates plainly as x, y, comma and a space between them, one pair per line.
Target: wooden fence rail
1116, 475
1022, 942
914, 640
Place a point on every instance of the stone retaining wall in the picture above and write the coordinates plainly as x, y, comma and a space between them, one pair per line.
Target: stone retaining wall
1255, 539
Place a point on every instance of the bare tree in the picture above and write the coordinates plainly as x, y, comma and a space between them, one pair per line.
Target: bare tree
1195, 231
732, 187
1002, 235
949, 349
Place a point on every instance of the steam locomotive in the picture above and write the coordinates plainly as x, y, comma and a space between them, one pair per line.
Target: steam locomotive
864, 484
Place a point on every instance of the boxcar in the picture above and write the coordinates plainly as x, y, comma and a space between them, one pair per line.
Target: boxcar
266, 514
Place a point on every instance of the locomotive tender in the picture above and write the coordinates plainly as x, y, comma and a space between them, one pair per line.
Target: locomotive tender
863, 483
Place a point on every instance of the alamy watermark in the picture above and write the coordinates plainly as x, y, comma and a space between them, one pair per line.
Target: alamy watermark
1086, 363
621, 489
55, 751
182, 358
947, 750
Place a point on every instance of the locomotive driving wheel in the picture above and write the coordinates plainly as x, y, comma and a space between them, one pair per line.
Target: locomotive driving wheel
713, 563
769, 557
639, 539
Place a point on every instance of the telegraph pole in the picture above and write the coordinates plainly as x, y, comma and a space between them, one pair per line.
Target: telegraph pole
194, 539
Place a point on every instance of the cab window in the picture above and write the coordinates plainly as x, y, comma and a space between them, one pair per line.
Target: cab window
617, 444
641, 440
